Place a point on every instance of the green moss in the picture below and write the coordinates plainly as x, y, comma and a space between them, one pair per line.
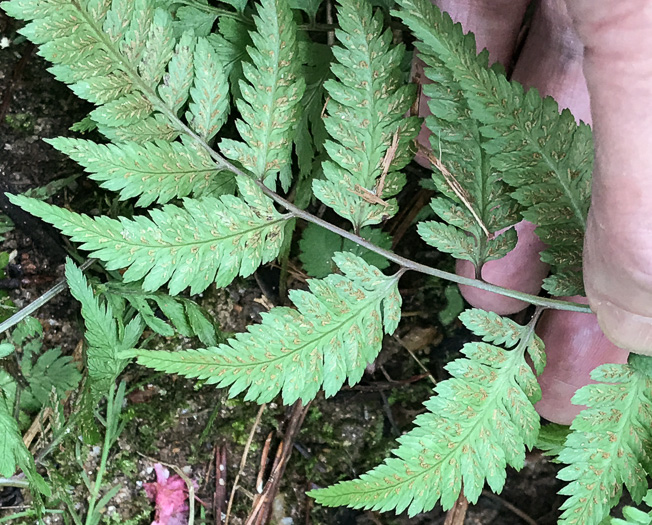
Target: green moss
22, 122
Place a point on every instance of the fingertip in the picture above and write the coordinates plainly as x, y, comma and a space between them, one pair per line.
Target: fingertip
625, 329
478, 298
575, 346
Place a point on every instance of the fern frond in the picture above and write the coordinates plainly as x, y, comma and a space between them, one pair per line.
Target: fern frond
124, 57
634, 516
610, 443
105, 342
335, 332
474, 198
544, 155
153, 172
208, 240
366, 110
270, 96
309, 7
52, 370
183, 315
311, 132
480, 421
13, 451
231, 43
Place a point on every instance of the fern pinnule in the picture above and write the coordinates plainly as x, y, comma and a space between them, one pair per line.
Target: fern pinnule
105, 341
209, 104
155, 172
634, 516
271, 95
14, 453
544, 155
480, 421
334, 333
208, 240
183, 316
366, 113
610, 442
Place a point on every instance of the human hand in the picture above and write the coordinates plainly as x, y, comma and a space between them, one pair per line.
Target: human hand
618, 244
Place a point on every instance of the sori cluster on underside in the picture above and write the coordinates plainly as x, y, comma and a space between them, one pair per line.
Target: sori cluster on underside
164, 85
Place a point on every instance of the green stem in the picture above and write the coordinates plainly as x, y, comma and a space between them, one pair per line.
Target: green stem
13, 482
223, 163
28, 514
43, 299
408, 264
108, 439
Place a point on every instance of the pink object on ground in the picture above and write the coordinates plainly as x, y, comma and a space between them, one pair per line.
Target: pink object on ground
170, 495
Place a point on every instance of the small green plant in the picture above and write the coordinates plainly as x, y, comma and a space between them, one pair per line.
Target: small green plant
204, 125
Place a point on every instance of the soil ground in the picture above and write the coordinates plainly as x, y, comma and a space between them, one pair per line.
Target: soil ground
181, 423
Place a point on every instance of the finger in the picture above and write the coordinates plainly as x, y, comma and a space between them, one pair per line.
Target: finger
618, 243
575, 345
521, 269
551, 61
495, 23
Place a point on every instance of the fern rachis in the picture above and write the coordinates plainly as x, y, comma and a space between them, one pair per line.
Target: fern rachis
162, 99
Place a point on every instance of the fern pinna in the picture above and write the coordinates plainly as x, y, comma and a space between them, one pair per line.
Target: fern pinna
163, 95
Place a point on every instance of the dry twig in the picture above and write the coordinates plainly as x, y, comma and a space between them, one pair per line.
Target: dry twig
263, 505
219, 496
375, 196
454, 185
243, 461
456, 515
512, 508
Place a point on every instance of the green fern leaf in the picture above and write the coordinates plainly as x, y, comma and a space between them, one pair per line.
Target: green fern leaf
153, 172
609, 445
116, 54
198, 18
52, 370
635, 516
210, 96
183, 315
105, 343
551, 440
310, 7
366, 109
176, 83
238, 4
13, 451
311, 132
544, 155
134, 40
231, 44
318, 246
124, 111
336, 331
481, 420
159, 48
208, 240
271, 95
152, 128
475, 200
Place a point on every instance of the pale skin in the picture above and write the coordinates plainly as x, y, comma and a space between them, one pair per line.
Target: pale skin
594, 59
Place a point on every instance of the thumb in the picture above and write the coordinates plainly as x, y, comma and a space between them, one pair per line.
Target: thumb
618, 244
